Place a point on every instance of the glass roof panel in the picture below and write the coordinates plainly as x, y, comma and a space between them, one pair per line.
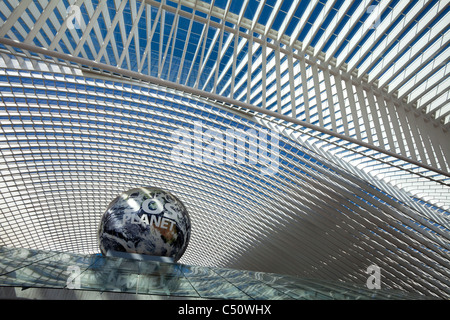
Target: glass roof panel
359, 112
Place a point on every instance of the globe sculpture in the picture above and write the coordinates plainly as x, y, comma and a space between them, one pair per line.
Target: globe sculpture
147, 221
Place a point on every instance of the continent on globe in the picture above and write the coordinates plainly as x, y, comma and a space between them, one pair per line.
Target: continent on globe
148, 221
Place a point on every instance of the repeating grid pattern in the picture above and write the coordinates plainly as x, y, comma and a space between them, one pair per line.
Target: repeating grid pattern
365, 70
65, 157
94, 273
73, 137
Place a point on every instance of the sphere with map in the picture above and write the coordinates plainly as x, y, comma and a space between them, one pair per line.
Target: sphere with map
147, 221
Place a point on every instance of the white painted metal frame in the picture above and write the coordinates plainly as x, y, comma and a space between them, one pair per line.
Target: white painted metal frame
376, 114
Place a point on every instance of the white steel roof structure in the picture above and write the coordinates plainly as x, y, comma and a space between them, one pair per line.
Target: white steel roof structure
340, 111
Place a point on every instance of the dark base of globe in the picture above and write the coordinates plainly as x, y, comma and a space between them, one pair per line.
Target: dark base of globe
148, 221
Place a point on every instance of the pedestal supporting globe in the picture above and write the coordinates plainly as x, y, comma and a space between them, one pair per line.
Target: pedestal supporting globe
148, 221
